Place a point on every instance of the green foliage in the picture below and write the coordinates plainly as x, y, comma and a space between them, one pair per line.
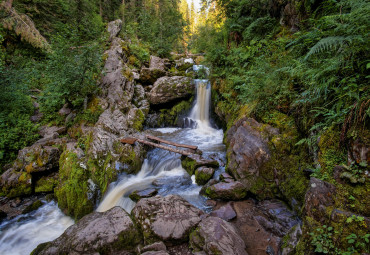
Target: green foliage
158, 24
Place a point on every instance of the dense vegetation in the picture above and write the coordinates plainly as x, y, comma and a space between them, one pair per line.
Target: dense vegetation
307, 63
52, 51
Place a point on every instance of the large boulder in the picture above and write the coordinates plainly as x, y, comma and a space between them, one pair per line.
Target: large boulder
169, 219
319, 196
114, 27
203, 175
247, 149
268, 227
150, 75
184, 63
168, 89
227, 191
216, 236
110, 232
157, 63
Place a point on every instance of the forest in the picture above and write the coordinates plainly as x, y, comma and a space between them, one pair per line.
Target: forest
289, 81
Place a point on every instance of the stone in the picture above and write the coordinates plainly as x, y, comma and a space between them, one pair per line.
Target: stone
114, 27
32, 207
137, 195
318, 197
359, 152
157, 63
184, 63
112, 231
194, 161
155, 253
248, 149
169, 219
65, 110
225, 177
216, 236
150, 75
53, 131
265, 227
225, 212
167, 89
227, 191
158, 246
203, 175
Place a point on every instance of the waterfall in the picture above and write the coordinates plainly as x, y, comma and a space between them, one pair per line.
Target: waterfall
200, 111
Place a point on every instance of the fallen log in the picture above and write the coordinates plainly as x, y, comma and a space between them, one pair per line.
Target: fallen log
192, 147
133, 140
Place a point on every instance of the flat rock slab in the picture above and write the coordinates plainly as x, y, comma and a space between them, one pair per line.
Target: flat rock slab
112, 231
137, 195
226, 212
169, 218
216, 236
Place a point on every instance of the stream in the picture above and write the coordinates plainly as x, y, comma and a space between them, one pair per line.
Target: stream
161, 170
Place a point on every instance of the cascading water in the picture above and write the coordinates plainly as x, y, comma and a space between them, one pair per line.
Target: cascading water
162, 169
22, 234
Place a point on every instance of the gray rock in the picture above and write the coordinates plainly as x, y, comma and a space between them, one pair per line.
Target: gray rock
157, 63
167, 89
194, 161
227, 191
226, 212
169, 218
112, 231
114, 27
158, 246
51, 132
216, 236
65, 110
155, 253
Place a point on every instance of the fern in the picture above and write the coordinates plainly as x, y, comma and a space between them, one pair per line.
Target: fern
326, 44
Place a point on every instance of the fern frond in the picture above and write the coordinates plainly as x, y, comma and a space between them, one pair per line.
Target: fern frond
327, 43
23, 26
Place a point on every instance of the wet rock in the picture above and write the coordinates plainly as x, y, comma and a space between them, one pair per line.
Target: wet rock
169, 218
137, 195
264, 227
173, 182
32, 207
112, 231
227, 191
184, 63
207, 185
150, 75
114, 27
167, 89
226, 212
203, 175
248, 149
318, 197
192, 162
216, 236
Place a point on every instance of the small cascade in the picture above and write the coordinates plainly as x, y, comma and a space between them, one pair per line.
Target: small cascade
22, 234
200, 111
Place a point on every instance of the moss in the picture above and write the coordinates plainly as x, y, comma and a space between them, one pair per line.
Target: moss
22, 189
72, 190
170, 117
189, 165
138, 121
202, 177
46, 184
32, 207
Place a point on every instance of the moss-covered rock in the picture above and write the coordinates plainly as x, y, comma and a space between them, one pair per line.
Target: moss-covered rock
227, 191
32, 207
192, 162
73, 189
46, 184
203, 175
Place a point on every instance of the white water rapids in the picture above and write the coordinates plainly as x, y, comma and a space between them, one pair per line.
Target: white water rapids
161, 170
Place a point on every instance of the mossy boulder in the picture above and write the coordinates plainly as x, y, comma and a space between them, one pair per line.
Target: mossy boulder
73, 191
203, 175
32, 207
169, 89
227, 191
192, 162
16, 183
110, 232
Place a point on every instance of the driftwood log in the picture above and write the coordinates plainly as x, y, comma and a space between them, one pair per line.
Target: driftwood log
132, 140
